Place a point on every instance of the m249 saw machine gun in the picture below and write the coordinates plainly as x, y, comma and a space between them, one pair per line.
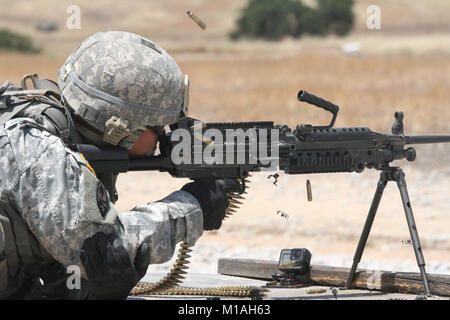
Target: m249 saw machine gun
235, 149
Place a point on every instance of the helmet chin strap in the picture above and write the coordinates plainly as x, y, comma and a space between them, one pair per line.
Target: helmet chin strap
90, 135
94, 136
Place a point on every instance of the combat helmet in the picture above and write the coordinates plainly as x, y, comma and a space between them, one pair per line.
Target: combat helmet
116, 84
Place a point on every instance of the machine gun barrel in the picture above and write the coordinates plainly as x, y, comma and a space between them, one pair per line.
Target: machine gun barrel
426, 139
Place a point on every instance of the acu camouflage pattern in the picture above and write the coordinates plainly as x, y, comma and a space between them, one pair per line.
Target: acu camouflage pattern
126, 66
54, 193
36, 111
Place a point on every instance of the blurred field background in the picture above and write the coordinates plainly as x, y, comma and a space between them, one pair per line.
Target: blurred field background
404, 66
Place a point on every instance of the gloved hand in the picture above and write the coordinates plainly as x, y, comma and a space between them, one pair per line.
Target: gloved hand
111, 274
210, 193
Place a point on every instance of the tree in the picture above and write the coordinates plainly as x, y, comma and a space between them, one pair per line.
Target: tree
269, 19
13, 41
337, 16
274, 19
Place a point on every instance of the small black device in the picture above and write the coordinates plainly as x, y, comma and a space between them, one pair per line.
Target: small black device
293, 264
294, 261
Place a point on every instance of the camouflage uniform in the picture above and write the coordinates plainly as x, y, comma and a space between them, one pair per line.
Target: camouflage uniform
50, 198
53, 192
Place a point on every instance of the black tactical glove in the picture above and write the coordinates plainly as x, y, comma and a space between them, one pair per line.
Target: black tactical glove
210, 193
111, 274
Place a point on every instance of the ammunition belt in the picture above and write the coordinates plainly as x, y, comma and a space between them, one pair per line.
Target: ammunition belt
169, 284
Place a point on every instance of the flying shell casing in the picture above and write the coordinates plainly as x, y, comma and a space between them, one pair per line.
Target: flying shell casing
315, 291
309, 190
196, 19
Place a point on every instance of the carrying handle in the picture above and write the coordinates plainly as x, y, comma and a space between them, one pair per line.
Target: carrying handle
304, 96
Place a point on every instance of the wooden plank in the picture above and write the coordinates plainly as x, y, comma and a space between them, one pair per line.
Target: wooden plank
334, 276
257, 269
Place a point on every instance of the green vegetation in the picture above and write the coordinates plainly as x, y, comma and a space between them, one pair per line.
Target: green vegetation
272, 20
13, 41
336, 16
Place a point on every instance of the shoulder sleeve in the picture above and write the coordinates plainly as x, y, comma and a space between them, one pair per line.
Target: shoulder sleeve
162, 224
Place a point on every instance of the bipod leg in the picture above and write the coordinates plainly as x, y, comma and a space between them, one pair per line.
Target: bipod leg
399, 177
382, 182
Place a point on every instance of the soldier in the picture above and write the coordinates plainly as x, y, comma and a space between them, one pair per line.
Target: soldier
115, 89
